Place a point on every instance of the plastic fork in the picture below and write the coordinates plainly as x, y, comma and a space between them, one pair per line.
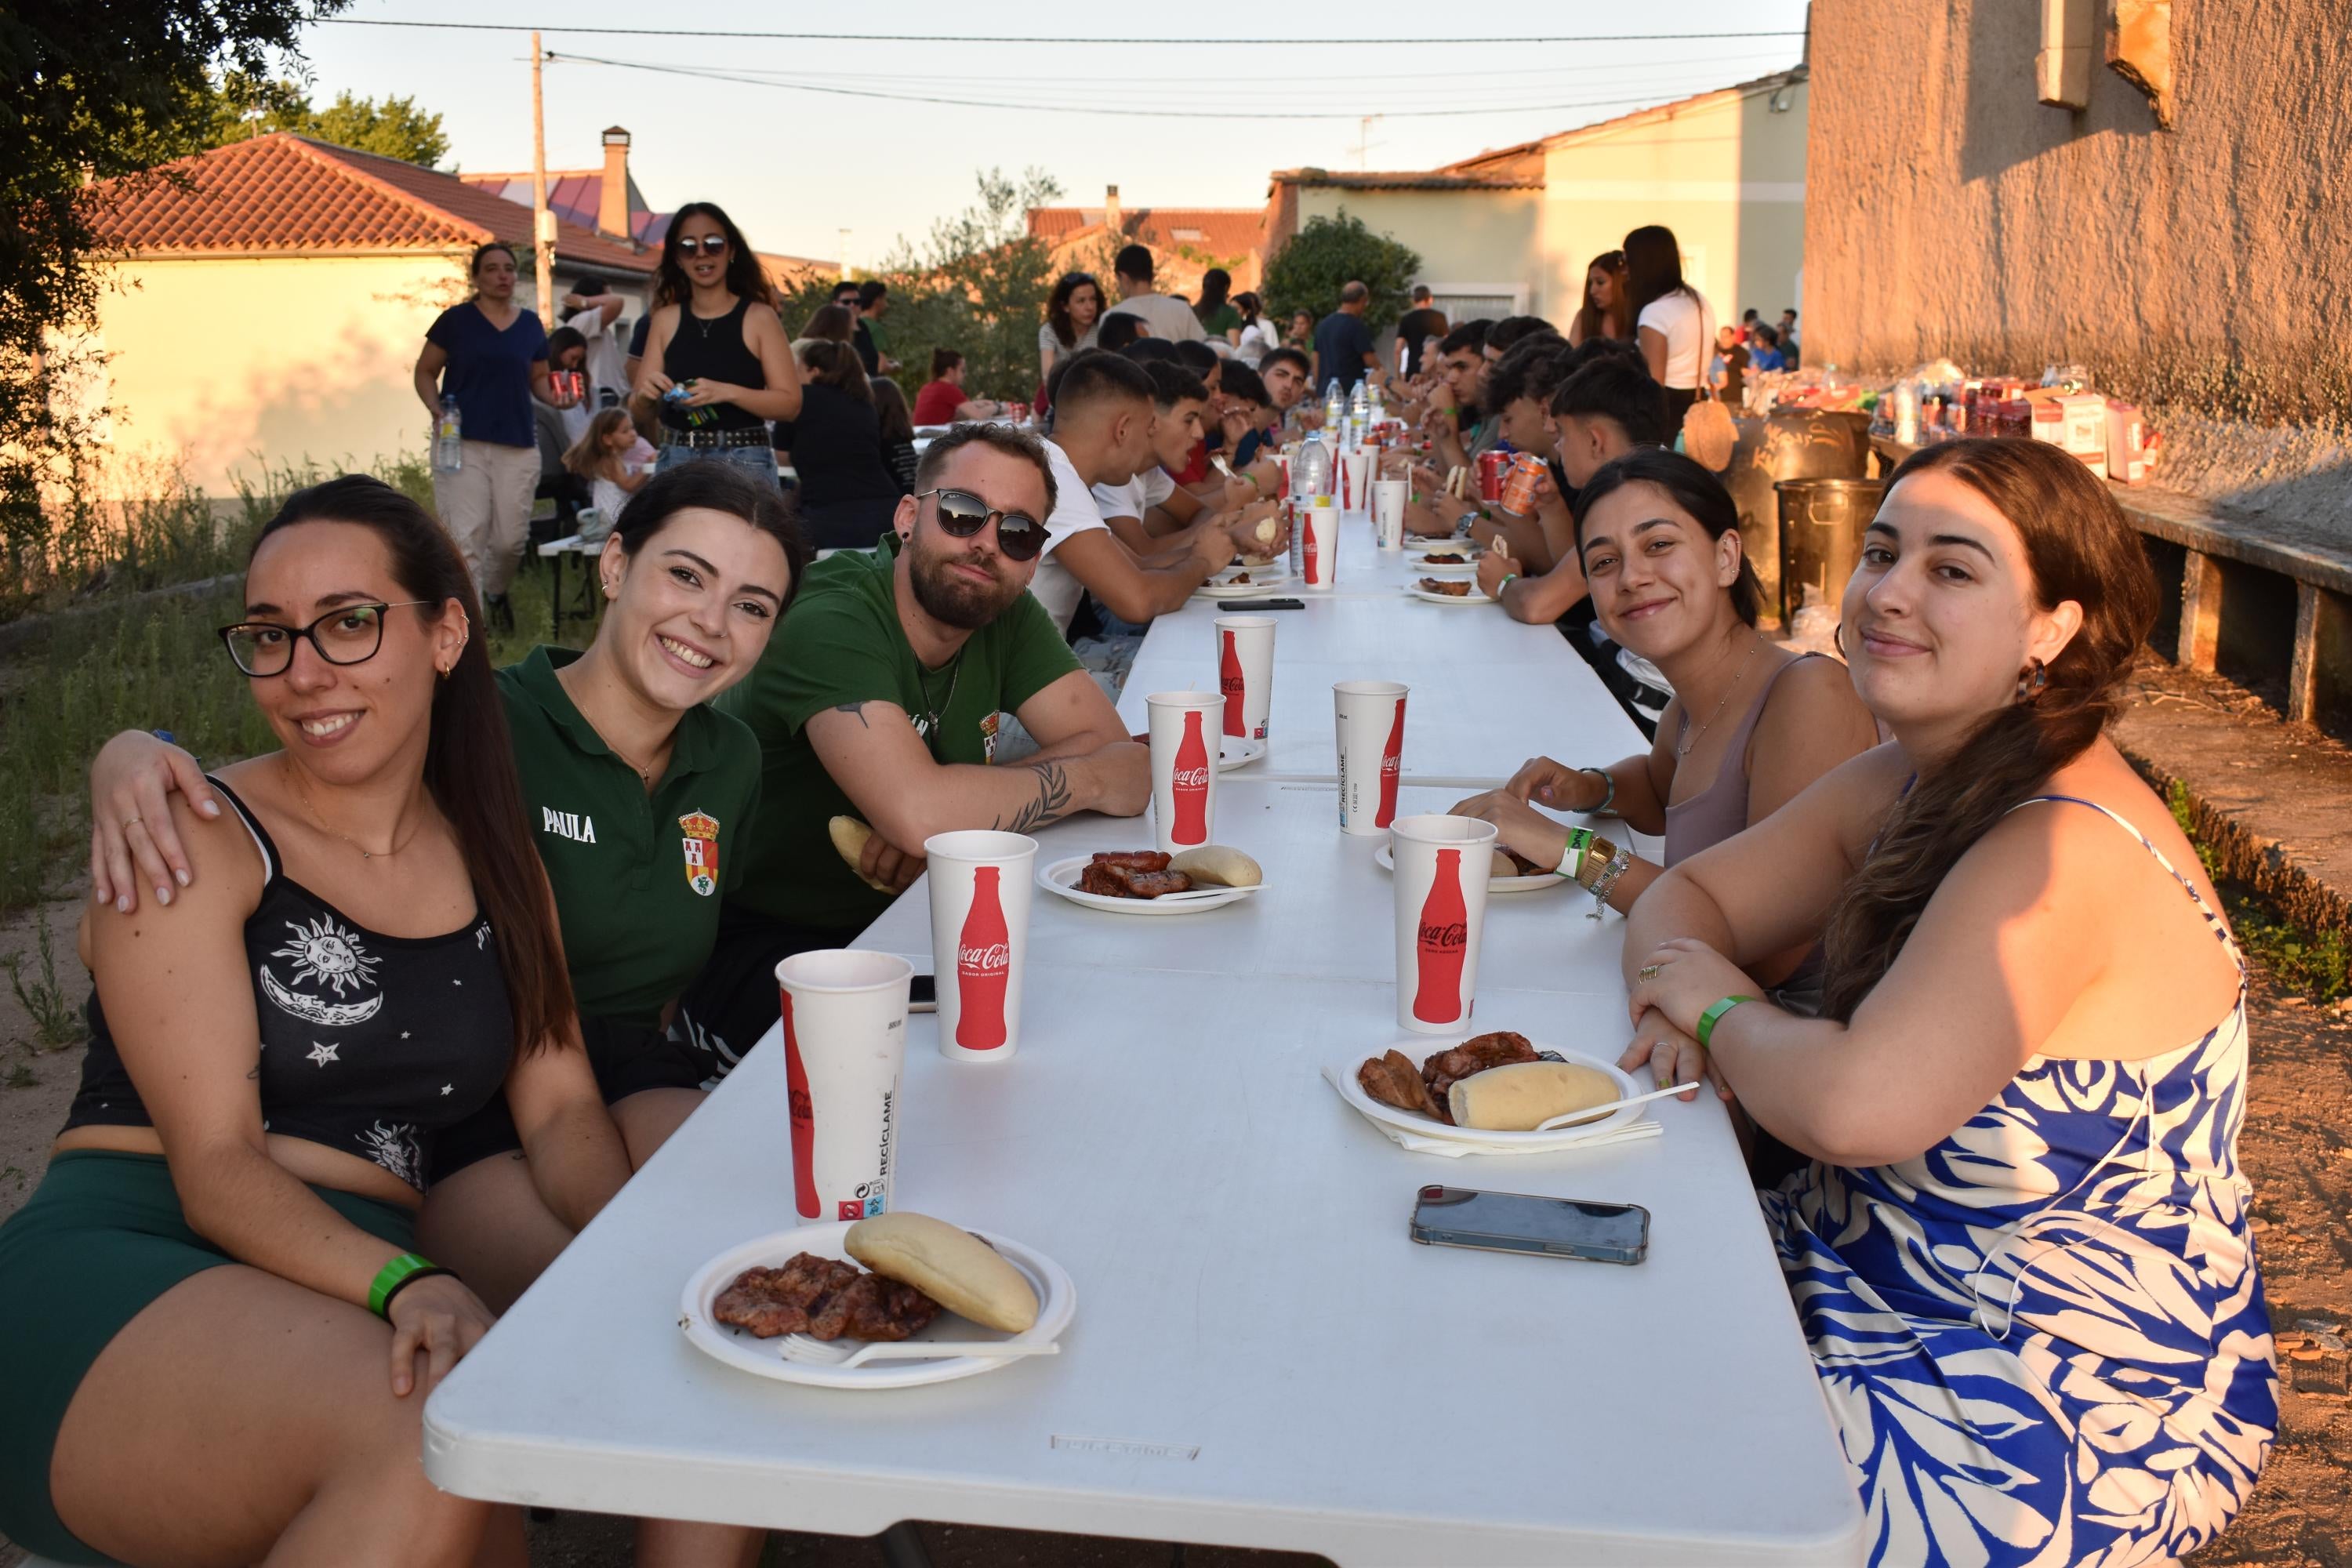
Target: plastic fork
815, 1352
1595, 1113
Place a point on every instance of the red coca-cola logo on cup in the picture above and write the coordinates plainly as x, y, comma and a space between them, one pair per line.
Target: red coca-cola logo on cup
1445, 937
1191, 778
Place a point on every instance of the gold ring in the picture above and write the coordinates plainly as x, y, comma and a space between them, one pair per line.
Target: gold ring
1649, 971
130, 822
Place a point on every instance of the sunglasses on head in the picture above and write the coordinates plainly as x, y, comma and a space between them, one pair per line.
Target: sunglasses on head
710, 245
963, 514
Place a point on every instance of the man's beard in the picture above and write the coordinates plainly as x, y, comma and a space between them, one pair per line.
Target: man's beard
952, 600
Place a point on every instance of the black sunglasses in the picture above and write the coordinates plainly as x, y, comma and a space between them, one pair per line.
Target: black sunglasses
963, 514
350, 635
714, 245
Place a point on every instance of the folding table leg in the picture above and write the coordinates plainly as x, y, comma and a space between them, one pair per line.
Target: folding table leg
902, 1546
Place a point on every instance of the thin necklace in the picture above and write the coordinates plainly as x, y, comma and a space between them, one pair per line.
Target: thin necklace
1685, 748
366, 853
923, 685
644, 773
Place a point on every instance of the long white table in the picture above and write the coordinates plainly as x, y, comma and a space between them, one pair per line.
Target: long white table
1261, 1357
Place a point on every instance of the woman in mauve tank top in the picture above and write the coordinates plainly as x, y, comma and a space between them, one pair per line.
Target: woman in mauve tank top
717, 365
1751, 724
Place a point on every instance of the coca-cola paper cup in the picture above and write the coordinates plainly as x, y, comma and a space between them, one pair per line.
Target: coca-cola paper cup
1318, 543
1246, 673
979, 937
1184, 729
844, 1048
1388, 512
1441, 867
1356, 478
1368, 716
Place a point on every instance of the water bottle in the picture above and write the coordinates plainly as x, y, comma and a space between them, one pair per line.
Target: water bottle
1310, 475
1360, 402
449, 439
1334, 407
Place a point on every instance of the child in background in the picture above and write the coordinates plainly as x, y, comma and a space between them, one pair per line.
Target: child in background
610, 456
1730, 373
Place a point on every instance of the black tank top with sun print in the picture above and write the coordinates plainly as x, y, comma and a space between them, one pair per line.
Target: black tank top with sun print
369, 1044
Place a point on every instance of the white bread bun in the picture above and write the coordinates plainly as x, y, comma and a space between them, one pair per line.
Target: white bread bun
849, 836
1514, 1099
1219, 865
1266, 530
952, 1266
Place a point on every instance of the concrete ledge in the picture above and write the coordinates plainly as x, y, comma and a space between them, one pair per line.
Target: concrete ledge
2272, 800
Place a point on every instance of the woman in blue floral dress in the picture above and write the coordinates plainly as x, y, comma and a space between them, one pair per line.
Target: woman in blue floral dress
2020, 1253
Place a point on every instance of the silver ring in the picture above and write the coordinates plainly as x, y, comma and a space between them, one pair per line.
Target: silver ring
1648, 971
130, 822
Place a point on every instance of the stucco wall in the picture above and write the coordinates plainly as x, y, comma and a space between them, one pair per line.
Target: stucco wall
2209, 267
227, 364
1727, 175
1464, 236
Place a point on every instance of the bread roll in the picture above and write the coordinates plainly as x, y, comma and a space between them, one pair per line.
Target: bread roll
1266, 531
952, 1266
1514, 1099
849, 836
1219, 866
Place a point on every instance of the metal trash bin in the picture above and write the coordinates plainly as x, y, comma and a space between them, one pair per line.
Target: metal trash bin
1790, 444
1820, 535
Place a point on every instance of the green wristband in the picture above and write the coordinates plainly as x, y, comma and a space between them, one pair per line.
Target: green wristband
1714, 1016
394, 1275
1508, 578
1572, 857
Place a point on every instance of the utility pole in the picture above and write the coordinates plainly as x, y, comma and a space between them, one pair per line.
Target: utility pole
542, 222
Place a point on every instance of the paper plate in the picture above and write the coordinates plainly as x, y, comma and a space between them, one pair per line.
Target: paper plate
1062, 877
1533, 883
1232, 751
1057, 1300
1262, 580
1474, 597
1422, 1047
1444, 571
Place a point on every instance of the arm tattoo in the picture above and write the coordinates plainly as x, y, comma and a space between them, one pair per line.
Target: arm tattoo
856, 708
1053, 802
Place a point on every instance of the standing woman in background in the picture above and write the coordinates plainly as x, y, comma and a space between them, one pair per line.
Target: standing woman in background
1218, 317
1603, 314
897, 422
1073, 315
716, 335
848, 493
490, 354
1259, 336
1673, 320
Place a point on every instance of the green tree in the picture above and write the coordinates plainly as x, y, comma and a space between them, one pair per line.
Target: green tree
245, 106
94, 94
1308, 271
977, 285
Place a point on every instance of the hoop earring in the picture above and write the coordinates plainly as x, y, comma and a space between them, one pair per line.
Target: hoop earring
2031, 680
1837, 639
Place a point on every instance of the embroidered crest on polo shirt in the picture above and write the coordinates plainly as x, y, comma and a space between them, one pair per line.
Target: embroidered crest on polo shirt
578, 827
701, 843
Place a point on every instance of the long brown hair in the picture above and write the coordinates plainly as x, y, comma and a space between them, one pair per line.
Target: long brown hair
468, 756
2079, 547
836, 365
746, 278
1590, 323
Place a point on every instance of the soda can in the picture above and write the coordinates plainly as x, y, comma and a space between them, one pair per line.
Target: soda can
1490, 475
1520, 488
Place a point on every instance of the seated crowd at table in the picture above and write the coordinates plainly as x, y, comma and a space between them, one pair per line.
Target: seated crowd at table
1957, 971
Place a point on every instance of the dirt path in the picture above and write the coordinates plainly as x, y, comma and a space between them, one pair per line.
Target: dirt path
2298, 1147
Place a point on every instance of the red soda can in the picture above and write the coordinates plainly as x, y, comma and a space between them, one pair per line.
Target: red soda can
1490, 475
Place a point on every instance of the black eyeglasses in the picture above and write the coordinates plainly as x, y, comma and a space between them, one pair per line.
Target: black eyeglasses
713, 245
350, 634
963, 514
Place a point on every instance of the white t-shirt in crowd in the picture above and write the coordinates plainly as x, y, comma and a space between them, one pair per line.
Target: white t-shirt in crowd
607, 353
1688, 323
1136, 498
1259, 339
1074, 513
1167, 316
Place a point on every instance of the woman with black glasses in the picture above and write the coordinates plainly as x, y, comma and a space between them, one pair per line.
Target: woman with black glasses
718, 364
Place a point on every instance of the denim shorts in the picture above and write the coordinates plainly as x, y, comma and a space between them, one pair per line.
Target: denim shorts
759, 461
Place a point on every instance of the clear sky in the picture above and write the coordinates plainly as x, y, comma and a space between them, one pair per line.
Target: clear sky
796, 167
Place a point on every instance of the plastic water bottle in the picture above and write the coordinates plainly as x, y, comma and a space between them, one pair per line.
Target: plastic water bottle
1334, 407
1360, 402
1310, 475
449, 437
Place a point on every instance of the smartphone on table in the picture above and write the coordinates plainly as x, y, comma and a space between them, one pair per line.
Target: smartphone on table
1519, 1222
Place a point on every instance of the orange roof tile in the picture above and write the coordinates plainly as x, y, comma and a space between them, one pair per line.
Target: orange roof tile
1218, 231
289, 193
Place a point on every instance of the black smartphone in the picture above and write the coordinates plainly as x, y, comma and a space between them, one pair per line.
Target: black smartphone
1517, 1222
923, 996
1231, 604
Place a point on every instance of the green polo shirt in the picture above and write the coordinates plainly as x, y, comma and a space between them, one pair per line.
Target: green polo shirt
638, 878
841, 643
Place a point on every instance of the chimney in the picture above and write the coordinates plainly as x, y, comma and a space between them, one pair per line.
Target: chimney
1110, 210
613, 195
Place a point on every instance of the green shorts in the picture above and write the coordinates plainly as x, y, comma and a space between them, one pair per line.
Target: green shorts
102, 1238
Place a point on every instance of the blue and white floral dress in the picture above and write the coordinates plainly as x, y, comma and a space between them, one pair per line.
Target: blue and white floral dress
2043, 1341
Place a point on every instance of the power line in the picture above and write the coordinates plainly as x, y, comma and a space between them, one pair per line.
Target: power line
1186, 110
734, 33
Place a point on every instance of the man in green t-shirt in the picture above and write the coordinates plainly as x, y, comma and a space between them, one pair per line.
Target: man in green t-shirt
877, 699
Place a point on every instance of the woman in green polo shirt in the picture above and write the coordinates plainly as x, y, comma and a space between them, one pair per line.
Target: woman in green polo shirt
638, 794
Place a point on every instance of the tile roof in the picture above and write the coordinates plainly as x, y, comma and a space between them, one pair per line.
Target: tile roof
1408, 180
295, 195
1218, 231
576, 196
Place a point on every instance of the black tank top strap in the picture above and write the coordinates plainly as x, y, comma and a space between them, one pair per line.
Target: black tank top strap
712, 348
271, 863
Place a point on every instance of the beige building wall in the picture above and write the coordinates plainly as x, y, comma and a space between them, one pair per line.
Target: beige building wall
1469, 241
228, 363
2209, 267
1726, 175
